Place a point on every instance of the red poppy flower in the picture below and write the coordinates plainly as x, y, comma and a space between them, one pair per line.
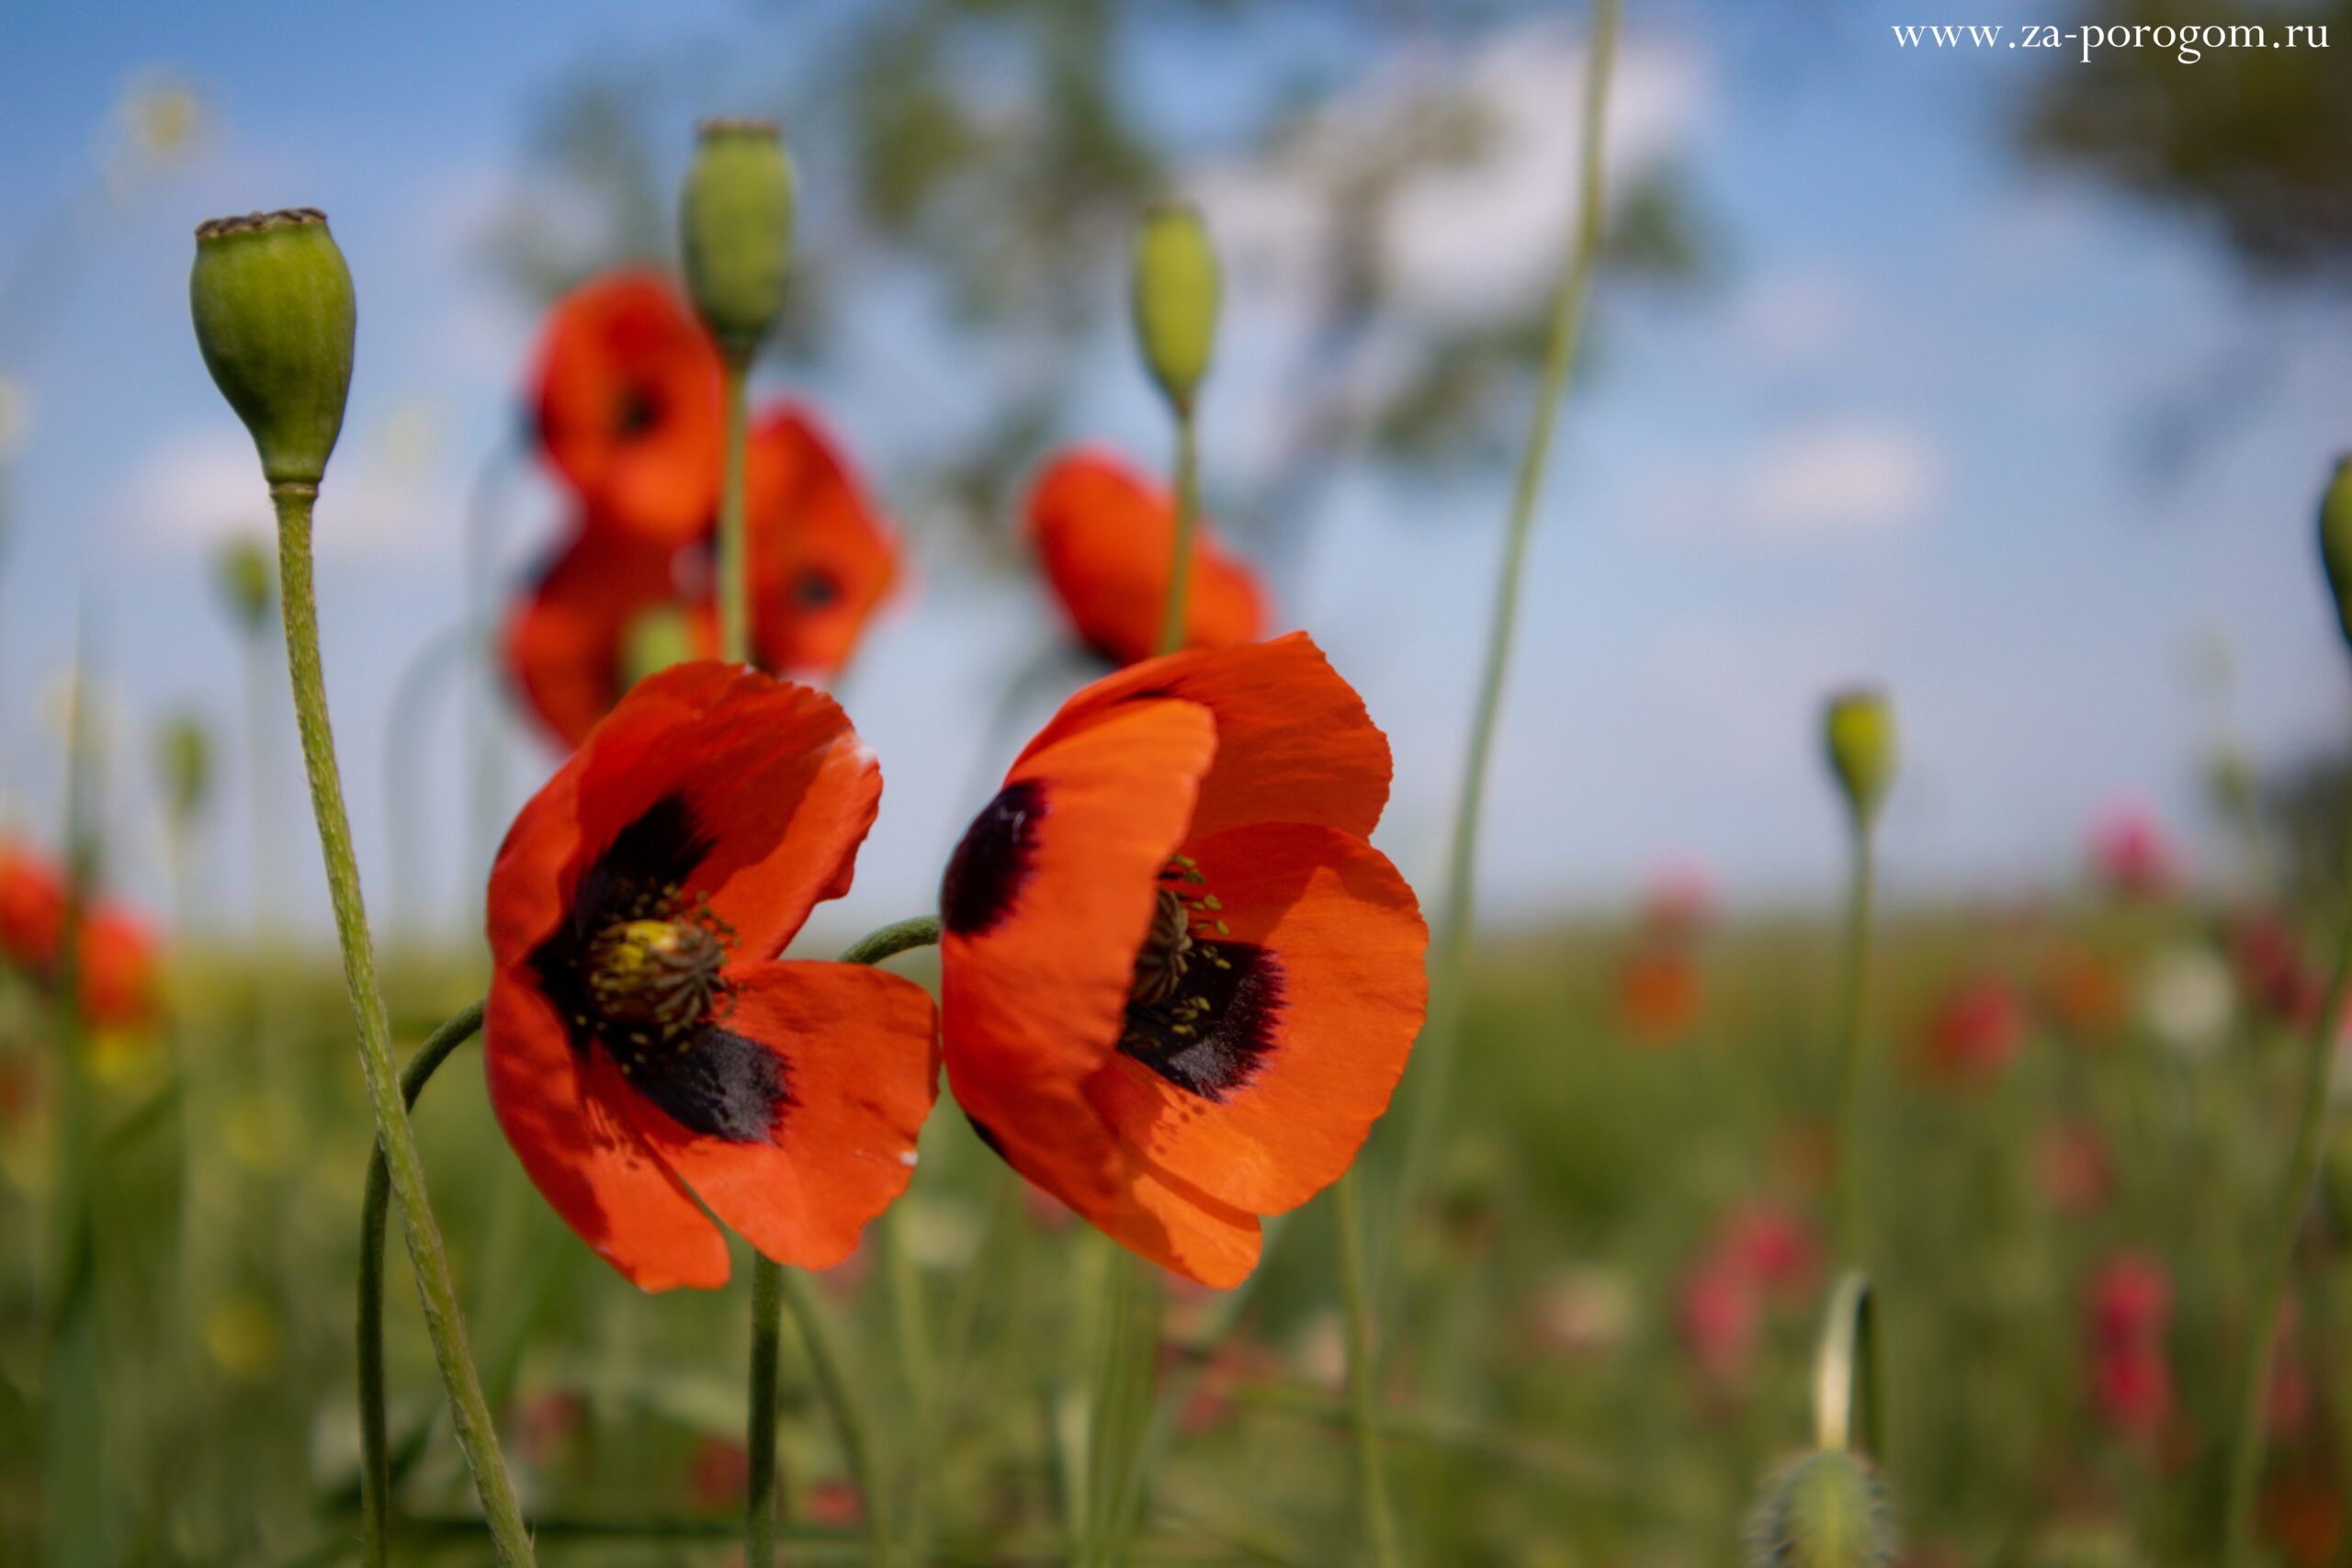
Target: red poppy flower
1976, 1027
822, 558
32, 906
118, 969
1658, 993
629, 406
567, 636
1105, 535
644, 1046
1178, 984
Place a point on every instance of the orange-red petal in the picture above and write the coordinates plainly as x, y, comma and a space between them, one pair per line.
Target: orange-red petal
563, 640
822, 556
1294, 742
859, 1049
561, 1109
1105, 538
1346, 940
32, 906
1042, 919
630, 407
771, 773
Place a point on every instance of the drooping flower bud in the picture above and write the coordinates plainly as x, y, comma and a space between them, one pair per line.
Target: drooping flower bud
1858, 731
183, 756
275, 317
735, 227
656, 639
2336, 540
248, 582
1825, 1510
1175, 299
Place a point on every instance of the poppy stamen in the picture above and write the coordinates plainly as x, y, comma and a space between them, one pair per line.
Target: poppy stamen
656, 981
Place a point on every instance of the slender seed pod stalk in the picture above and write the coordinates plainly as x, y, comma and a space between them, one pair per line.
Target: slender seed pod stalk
1827, 1509
1176, 290
735, 227
276, 319
655, 640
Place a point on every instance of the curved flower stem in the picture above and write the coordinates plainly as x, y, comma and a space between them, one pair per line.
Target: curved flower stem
1188, 515
1363, 1372
1450, 948
734, 547
2276, 1261
1845, 1370
375, 1442
470, 1412
772, 1289
1860, 901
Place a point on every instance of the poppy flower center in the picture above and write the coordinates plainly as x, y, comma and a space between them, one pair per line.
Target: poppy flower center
655, 981
1201, 1006
636, 410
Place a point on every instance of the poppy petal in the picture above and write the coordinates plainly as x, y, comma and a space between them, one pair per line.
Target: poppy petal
1294, 742
560, 1110
630, 407
1104, 536
857, 1049
562, 643
765, 782
822, 558
1044, 905
1345, 943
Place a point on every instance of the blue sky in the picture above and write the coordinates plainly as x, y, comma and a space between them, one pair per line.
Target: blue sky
1905, 437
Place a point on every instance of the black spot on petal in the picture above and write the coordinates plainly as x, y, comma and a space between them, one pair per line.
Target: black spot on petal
1210, 1036
716, 1083
993, 862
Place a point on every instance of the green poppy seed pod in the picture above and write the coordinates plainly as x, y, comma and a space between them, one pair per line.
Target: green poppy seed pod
654, 641
2336, 540
275, 317
185, 758
248, 580
735, 226
1826, 1509
1859, 732
1176, 299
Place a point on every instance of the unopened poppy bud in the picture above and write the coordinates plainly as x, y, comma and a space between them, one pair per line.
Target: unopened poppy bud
1826, 1509
248, 582
655, 640
735, 225
275, 317
1175, 299
1859, 733
186, 758
2336, 540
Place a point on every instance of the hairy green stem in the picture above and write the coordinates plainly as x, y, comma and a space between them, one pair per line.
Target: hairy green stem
1364, 1373
477, 1435
1861, 898
772, 1291
762, 1497
1175, 608
375, 1440
734, 547
1450, 949
2276, 1263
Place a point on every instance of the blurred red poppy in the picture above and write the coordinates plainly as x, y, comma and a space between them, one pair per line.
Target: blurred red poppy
118, 968
1975, 1027
32, 906
1658, 993
2082, 994
645, 1047
1178, 984
821, 559
2131, 851
2128, 1311
630, 407
1105, 538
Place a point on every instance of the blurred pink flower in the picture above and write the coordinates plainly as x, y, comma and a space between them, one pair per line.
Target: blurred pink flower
2130, 1305
1772, 1246
2132, 854
2271, 971
1717, 1313
1679, 898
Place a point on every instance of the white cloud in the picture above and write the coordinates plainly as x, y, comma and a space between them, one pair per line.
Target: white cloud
1837, 479
387, 495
